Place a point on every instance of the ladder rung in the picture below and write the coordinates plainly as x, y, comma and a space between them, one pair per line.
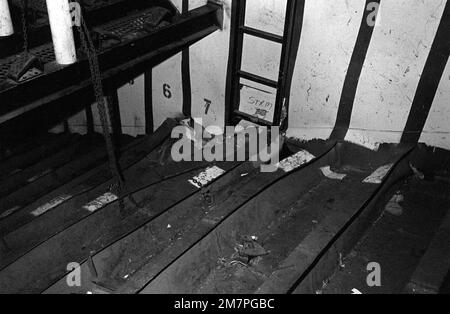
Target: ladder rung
251, 118
258, 79
262, 34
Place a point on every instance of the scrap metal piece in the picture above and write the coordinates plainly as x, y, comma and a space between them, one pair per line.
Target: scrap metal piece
155, 18
26, 67
327, 172
251, 248
393, 206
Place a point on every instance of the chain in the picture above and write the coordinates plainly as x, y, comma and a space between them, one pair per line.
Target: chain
25, 25
102, 105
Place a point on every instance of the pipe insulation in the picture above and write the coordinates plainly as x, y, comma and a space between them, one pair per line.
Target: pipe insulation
6, 26
62, 33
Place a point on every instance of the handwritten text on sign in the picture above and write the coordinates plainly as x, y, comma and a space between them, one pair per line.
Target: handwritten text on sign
257, 103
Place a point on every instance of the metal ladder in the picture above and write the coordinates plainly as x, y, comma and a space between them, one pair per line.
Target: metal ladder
235, 72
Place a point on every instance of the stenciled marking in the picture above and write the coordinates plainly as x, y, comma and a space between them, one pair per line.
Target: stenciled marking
379, 174
295, 161
207, 176
101, 201
50, 205
327, 172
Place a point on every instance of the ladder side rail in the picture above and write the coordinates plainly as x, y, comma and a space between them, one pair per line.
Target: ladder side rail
284, 61
235, 62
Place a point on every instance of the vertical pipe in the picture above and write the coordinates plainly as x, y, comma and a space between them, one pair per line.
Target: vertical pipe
6, 26
62, 34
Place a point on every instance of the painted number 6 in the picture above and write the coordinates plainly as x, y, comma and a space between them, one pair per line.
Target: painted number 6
166, 91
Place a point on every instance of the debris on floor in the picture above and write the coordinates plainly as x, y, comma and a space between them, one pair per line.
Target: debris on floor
379, 174
341, 261
327, 172
208, 198
394, 207
247, 253
418, 174
250, 248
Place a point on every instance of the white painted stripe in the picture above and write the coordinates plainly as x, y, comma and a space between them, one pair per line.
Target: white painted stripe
330, 30
379, 174
327, 172
207, 176
50, 205
394, 64
167, 90
100, 202
132, 111
295, 161
208, 71
437, 128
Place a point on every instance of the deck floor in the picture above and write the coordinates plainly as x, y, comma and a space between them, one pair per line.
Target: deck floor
310, 227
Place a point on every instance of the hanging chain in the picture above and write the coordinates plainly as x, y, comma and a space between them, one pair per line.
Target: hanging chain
102, 105
24, 12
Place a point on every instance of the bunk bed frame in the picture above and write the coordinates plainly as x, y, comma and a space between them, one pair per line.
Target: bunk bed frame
63, 90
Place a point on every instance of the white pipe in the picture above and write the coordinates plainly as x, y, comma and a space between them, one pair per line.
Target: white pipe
62, 34
6, 26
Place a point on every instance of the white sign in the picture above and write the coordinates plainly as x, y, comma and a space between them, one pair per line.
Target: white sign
257, 103
207, 176
100, 202
50, 205
295, 161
